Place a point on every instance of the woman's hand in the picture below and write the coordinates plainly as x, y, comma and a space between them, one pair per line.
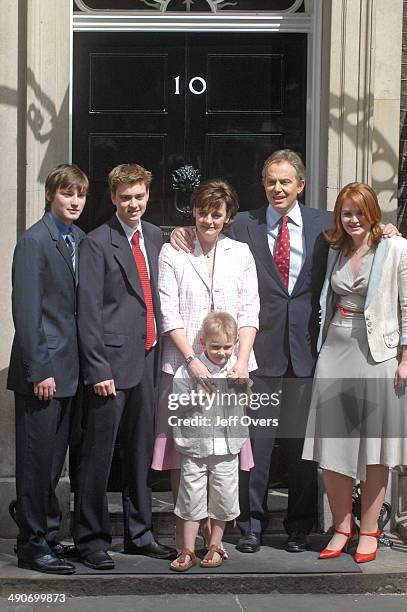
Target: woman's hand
239, 371
183, 238
201, 374
400, 378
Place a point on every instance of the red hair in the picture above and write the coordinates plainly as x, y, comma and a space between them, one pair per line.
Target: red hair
365, 199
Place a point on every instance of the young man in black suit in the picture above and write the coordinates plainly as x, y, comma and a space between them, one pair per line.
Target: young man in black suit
44, 364
119, 327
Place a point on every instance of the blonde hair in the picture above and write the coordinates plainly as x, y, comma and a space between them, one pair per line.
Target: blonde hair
128, 174
219, 322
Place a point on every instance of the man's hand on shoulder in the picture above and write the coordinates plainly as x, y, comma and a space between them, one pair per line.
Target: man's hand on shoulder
182, 238
105, 388
390, 230
45, 389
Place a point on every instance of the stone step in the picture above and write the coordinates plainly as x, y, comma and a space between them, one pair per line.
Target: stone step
385, 575
163, 517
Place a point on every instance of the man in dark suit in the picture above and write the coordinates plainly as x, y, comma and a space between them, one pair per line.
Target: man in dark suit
44, 364
119, 327
286, 239
290, 260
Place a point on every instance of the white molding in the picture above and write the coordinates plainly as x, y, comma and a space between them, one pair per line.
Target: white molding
188, 22
314, 193
70, 104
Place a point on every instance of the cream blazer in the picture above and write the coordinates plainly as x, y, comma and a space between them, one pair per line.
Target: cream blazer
386, 299
185, 293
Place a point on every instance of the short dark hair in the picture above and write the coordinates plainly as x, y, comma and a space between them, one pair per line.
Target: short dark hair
124, 174
64, 176
289, 156
211, 194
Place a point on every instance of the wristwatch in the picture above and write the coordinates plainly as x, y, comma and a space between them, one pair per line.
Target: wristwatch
189, 359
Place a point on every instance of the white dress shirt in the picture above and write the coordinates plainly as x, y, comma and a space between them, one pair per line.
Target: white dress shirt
297, 240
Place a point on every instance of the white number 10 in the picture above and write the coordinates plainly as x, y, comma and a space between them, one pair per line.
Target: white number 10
192, 85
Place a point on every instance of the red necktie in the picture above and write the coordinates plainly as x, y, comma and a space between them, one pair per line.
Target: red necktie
145, 284
282, 251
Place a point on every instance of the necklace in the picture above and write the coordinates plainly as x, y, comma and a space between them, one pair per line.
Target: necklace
363, 247
210, 253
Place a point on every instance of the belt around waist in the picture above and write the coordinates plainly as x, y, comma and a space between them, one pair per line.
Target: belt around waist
349, 312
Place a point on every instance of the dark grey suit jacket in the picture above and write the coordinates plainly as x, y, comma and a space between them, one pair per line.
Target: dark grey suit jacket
44, 304
111, 308
289, 324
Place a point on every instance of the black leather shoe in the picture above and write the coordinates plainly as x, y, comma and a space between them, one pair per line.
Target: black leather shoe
297, 542
64, 550
249, 542
98, 560
48, 564
154, 549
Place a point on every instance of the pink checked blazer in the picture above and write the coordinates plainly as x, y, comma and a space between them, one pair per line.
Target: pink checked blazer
185, 293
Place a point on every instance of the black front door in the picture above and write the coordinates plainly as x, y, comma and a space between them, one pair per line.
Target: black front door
219, 103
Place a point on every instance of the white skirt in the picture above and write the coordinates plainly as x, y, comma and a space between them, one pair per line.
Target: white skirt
357, 417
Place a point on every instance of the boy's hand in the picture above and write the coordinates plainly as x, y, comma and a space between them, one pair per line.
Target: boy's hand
45, 389
105, 388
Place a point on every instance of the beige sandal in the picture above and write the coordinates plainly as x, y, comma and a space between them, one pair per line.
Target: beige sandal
208, 561
175, 565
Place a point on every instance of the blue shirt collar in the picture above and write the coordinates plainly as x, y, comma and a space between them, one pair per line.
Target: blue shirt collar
273, 217
63, 229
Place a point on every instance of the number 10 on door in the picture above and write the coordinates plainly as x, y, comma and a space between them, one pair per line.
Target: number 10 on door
196, 85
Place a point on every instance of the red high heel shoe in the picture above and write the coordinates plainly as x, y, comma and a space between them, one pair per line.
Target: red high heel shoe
328, 553
365, 557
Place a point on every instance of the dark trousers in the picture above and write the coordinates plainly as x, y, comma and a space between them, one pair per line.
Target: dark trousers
131, 416
292, 411
42, 433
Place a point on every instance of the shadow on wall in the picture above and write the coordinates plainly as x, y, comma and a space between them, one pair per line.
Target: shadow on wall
343, 117
49, 126
46, 124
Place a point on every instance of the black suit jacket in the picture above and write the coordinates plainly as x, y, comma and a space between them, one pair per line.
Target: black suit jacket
111, 307
44, 304
289, 324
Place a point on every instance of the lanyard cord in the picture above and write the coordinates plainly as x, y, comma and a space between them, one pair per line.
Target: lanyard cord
211, 305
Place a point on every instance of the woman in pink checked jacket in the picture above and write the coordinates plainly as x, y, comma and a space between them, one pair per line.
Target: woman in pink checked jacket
220, 274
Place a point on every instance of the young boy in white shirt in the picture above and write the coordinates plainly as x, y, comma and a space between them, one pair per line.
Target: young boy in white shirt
207, 430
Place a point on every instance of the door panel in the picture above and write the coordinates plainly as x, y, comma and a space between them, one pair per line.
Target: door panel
218, 102
242, 91
146, 93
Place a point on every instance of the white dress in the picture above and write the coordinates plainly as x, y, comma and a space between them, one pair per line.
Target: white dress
357, 416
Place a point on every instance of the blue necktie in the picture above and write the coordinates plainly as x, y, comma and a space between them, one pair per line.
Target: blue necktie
69, 239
